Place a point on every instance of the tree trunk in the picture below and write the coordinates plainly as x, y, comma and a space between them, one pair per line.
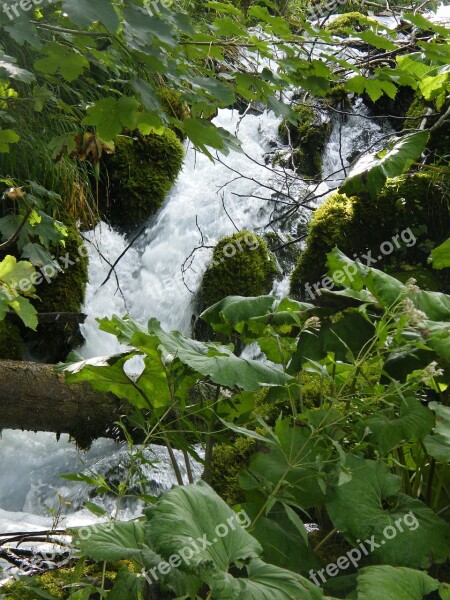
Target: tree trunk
34, 397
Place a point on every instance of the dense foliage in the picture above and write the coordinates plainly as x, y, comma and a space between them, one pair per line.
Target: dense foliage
346, 421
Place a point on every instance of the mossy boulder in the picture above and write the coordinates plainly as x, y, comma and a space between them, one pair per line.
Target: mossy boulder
241, 265
138, 176
415, 202
307, 138
11, 343
350, 20
63, 293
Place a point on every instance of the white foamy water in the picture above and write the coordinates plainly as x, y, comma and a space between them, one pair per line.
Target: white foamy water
150, 274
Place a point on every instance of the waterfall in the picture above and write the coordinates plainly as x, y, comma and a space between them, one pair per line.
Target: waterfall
210, 199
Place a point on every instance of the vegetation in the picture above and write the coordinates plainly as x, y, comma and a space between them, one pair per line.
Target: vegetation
417, 202
307, 138
241, 264
138, 176
344, 420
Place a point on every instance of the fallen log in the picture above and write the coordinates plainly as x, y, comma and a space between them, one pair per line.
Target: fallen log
35, 398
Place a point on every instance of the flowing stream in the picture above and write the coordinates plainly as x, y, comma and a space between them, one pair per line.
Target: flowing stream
210, 200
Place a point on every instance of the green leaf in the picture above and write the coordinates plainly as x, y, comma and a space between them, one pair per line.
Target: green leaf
374, 87
264, 582
438, 444
195, 512
7, 137
440, 256
416, 537
226, 314
126, 585
291, 462
141, 29
84, 13
413, 422
204, 135
9, 70
111, 541
214, 361
370, 173
26, 311
106, 374
111, 116
378, 41
62, 59
384, 582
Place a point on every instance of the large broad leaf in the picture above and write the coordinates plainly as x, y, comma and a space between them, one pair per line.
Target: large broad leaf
7, 137
230, 311
371, 172
291, 464
403, 531
284, 539
384, 288
384, 582
196, 523
438, 444
264, 582
112, 541
216, 362
84, 13
106, 374
440, 256
345, 338
111, 116
414, 421
126, 585
61, 59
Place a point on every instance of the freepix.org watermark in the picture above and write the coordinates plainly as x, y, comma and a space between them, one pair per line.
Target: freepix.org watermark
232, 248
13, 9
339, 277
45, 273
194, 547
354, 556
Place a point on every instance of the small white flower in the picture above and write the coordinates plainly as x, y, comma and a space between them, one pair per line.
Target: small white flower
431, 371
416, 318
312, 323
411, 286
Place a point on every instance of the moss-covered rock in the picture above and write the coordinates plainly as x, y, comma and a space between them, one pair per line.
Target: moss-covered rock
63, 293
416, 202
138, 176
330, 226
241, 265
11, 343
307, 138
353, 20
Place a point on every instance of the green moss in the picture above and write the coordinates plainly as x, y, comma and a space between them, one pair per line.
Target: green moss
329, 226
172, 102
338, 96
242, 265
228, 462
415, 201
55, 582
353, 20
139, 176
308, 138
11, 344
63, 293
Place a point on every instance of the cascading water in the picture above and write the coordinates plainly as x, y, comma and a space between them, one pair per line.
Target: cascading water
150, 283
